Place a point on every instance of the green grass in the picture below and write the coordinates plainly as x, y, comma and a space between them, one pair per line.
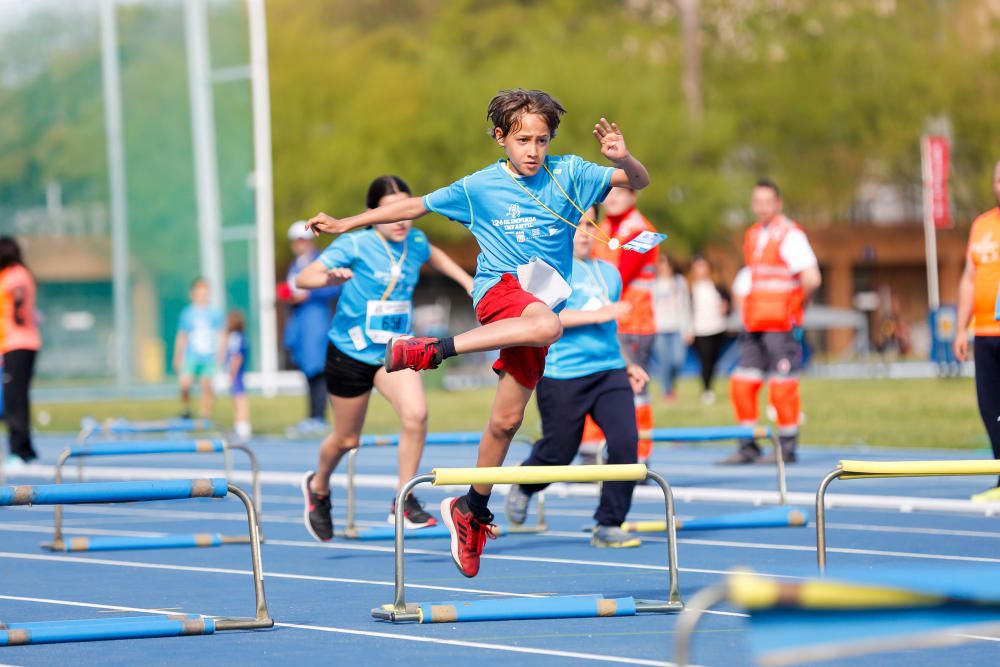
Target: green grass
902, 413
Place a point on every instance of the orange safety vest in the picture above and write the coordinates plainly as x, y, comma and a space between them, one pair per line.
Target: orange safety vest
984, 254
775, 301
640, 320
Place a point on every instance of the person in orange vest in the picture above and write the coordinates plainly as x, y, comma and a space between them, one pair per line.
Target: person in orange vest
637, 328
779, 276
978, 304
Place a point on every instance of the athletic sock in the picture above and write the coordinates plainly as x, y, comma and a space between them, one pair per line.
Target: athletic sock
478, 504
447, 347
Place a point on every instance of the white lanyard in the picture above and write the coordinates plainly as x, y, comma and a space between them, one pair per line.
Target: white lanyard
395, 266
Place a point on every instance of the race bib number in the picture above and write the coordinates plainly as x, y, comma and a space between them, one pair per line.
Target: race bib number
645, 242
386, 319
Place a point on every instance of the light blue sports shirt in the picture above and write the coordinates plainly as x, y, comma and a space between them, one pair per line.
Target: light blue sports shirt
365, 253
510, 226
591, 348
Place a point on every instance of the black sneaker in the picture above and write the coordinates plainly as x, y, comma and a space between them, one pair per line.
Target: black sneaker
414, 515
316, 514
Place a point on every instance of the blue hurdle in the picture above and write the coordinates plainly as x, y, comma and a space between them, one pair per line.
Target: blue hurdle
767, 518
518, 609
47, 632
121, 426
126, 627
376, 533
723, 433
82, 450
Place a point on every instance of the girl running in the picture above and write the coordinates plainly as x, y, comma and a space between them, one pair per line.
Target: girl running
379, 268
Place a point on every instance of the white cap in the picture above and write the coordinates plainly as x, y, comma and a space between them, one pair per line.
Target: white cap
299, 232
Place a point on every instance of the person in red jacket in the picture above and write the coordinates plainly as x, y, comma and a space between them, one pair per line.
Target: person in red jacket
637, 327
779, 276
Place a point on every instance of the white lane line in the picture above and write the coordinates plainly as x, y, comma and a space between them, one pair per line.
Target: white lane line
910, 530
307, 577
980, 637
273, 518
267, 574
593, 657
90, 605
27, 528
566, 561
573, 535
842, 550
641, 566
687, 493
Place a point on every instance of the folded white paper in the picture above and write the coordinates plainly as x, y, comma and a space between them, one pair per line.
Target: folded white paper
544, 282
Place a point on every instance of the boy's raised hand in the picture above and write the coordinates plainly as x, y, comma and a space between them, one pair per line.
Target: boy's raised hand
611, 139
322, 223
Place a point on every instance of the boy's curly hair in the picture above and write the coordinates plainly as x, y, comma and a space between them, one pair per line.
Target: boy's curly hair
508, 106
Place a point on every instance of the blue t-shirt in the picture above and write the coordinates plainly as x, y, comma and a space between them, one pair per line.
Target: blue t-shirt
305, 329
202, 324
365, 254
510, 226
236, 344
591, 348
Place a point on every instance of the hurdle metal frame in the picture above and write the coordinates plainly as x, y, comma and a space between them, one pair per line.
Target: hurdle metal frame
399, 611
849, 469
457, 438
699, 603
723, 433
138, 627
82, 450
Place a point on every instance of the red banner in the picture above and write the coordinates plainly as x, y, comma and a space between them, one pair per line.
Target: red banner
935, 157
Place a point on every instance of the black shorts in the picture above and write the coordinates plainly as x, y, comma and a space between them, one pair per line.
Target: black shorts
345, 376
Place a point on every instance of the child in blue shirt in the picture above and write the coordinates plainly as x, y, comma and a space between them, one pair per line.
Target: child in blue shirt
522, 211
197, 347
236, 362
379, 268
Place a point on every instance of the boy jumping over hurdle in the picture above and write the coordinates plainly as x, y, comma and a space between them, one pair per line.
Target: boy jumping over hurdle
523, 212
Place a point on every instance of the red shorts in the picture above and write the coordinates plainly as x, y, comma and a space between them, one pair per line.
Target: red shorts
503, 301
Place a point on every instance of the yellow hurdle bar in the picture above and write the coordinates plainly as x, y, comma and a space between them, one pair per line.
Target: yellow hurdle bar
753, 591
859, 469
539, 474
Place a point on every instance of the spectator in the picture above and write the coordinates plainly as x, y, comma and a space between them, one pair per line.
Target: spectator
19, 344
710, 305
672, 311
200, 339
305, 330
236, 361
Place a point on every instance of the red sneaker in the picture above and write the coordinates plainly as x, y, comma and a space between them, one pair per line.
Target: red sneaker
468, 535
409, 352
